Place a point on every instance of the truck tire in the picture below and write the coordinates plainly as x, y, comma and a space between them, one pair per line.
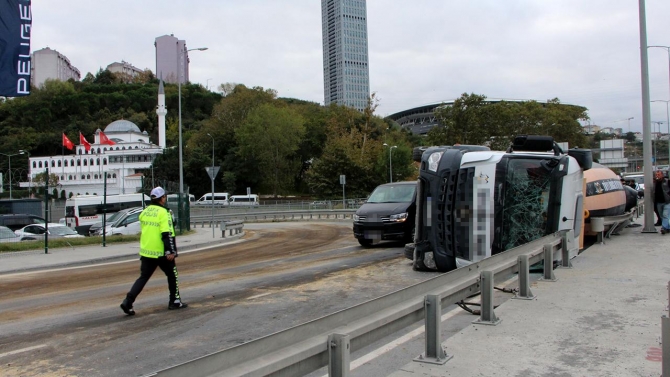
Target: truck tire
417, 153
409, 237
417, 262
409, 251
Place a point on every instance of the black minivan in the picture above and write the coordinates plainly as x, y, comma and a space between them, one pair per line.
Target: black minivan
388, 214
18, 221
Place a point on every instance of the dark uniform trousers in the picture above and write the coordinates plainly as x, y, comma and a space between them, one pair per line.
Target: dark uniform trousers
147, 269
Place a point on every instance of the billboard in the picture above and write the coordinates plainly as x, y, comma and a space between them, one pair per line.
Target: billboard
15, 24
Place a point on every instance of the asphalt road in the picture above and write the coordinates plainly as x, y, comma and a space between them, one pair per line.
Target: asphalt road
67, 322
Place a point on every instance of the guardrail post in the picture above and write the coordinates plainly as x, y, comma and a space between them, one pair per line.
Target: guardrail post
598, 226
338, 355
565, 249
434, 353
524, 279
665, 340
548, 264
487, 316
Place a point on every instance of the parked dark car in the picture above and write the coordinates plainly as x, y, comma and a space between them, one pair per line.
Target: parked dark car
388, 214
18, 221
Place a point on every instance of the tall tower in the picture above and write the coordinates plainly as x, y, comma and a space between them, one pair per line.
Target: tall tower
345, 53
161, 111
171, 59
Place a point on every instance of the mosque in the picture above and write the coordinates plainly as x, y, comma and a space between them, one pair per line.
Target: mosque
124, 163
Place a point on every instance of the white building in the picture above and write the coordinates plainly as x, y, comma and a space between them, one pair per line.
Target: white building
51, 64
124, 163
125, 70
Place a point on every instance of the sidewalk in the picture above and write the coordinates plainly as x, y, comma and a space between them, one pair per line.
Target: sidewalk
600, 318
24, 261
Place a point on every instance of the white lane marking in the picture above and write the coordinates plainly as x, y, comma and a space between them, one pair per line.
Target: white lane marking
409, 336
260, 295
22, 350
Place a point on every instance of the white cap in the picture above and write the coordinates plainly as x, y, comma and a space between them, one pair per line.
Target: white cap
157, 192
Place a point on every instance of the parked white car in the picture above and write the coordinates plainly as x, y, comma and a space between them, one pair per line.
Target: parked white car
96, 229
125, 225
37, 231
6, 235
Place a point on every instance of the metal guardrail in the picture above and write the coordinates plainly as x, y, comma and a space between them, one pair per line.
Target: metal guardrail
231, 226
342, 214
613, 224
327, 341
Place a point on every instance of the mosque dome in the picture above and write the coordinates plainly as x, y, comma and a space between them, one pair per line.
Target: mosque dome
122, 126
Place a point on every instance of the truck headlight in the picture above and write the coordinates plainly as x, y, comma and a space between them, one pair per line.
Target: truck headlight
398, 218
434, 160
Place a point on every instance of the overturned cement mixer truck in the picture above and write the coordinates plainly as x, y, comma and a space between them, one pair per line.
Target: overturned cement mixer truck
473, 202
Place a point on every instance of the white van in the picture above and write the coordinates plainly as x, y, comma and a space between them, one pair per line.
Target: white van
173, 198
220, 199
83, 211
244, 200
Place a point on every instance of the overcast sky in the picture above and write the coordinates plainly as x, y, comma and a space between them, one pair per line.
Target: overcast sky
584, 52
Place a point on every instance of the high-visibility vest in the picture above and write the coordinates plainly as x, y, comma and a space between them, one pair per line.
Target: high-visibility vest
155, 220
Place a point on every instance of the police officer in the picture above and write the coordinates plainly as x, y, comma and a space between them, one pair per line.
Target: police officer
157, 249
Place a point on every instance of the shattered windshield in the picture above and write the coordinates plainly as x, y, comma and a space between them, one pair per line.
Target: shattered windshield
526, 200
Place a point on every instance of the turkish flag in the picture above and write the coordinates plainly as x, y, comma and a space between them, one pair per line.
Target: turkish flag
67, 143
82, 141
105, 140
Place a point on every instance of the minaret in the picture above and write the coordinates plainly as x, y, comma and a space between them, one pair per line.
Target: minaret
161, 111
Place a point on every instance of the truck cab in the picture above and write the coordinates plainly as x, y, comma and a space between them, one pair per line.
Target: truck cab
473, 203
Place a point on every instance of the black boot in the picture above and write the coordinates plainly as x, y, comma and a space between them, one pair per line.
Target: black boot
127, 307
177, 304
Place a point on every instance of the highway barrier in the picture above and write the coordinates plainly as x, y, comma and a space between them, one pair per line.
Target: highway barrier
328, 341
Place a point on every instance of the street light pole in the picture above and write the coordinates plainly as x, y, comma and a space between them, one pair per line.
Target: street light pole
667, 116
212, 176
180, 55
629, 119
390, 163
656, 142
30, 176
9, 157
667, 48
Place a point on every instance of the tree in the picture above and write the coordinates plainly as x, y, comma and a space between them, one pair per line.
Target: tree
227, 88
228, 180
40, 181
462, 122
271, 135
144, 77
471, 119
105, 77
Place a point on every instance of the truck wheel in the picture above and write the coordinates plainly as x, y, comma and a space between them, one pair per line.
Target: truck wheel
417, 262
409, 251
409, 238
417, 153
365, 242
